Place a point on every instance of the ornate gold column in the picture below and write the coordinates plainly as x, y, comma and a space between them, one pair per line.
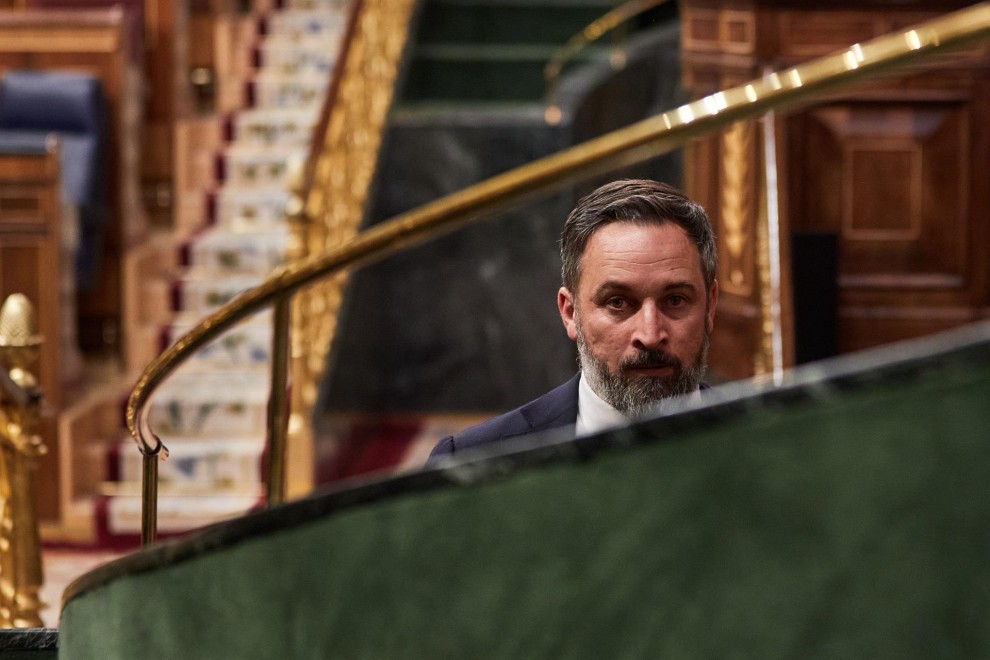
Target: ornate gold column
20, 449
329, 209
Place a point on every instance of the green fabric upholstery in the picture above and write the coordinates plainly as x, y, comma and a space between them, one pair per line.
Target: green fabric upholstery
845, 518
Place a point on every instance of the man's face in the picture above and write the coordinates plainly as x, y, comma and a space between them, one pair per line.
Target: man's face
641, 315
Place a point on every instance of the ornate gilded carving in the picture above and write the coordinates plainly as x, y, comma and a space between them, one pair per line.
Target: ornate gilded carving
20, 449
737, 208
763, 363
333, 206
769, 358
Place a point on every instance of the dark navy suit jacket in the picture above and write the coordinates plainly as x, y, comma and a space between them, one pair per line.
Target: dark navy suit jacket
556, 408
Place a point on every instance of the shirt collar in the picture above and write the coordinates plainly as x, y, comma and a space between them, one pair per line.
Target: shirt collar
595, 415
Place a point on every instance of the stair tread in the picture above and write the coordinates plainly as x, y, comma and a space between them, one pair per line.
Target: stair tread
499, 52
605, 5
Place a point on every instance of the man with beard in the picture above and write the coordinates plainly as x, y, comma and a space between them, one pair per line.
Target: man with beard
638, 297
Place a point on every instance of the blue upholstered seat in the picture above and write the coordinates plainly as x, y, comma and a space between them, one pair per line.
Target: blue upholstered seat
34, 104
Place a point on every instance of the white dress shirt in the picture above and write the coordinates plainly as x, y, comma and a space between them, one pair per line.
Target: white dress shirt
595, 415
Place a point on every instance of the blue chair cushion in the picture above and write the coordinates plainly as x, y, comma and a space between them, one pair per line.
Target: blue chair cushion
35, 104
23, 143
53, 100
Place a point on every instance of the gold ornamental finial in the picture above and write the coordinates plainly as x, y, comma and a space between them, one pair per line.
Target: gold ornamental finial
20, 338
18, 322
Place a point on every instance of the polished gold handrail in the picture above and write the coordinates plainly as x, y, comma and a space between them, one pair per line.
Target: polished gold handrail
591, 33
640, 141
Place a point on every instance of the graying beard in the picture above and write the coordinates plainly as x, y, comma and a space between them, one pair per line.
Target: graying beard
640, 397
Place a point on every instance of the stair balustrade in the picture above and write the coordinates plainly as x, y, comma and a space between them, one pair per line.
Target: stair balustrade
646, 139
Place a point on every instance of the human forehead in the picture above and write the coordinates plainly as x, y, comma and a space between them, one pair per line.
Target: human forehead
661, 245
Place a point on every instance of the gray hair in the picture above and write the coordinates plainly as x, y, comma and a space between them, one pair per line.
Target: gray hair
634, 200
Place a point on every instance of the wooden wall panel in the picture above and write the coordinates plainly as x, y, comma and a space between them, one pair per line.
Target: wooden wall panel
893, 169
892, 179
33, 262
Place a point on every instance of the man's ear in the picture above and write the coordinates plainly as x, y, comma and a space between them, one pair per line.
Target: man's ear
712, 302
565, 305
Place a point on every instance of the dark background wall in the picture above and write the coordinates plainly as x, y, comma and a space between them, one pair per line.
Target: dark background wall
469, 322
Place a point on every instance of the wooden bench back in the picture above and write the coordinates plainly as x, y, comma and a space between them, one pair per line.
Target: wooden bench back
94, 42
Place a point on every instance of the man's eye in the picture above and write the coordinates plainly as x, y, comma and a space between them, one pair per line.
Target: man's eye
676, 300
616, 303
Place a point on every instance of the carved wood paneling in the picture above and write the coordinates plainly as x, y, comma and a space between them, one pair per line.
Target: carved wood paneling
894, 180
31, 252
894, 169
737, 217
895, 176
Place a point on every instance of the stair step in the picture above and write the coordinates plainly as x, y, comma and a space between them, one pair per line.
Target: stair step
303, 55
496, 50
120, 515
467, 72
196, 466
303, 23
498, 22
201, 293
275, 90
247, 345
287, 126
257, 166
220, 404
221, 251
247, 208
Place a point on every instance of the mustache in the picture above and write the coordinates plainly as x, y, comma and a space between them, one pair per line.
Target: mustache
645, 359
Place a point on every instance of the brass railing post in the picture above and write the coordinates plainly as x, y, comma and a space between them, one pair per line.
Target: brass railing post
149, 498
278, 402
150, 456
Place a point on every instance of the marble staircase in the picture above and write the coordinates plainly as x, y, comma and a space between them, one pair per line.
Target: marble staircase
211, 412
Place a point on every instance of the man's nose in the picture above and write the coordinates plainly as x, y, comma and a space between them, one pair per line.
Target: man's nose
650, 332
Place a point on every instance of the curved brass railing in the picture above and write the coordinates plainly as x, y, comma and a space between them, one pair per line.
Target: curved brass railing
591, 33
635, 143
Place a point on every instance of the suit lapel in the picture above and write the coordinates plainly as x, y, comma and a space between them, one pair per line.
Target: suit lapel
555, 409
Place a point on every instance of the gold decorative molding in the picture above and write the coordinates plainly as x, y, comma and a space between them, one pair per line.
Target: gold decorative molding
736, 207
763, 363
329, 213
20, 450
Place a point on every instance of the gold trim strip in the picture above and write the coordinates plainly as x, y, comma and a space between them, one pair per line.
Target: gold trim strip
643, 140
21, 447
